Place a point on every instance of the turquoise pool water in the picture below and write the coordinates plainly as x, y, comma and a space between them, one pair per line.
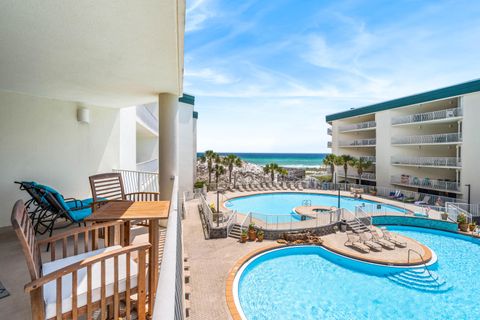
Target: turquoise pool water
262, 205
312, 283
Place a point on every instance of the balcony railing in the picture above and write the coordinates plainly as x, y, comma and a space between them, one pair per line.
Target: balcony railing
426, 183
427, 161
352, 173
428, 116
372, 159
429, 139
329, 131
358, 126
329, 144
139, 181
358, 143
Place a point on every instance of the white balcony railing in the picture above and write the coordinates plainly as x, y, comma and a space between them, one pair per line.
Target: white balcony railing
358, 126
139, 181
429, 139
426, 183
352, 173
329, 144
329, 131
358, 143
427, 161
428, 116
372, 159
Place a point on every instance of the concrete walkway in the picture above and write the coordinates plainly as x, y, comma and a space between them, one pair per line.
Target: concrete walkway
210, 262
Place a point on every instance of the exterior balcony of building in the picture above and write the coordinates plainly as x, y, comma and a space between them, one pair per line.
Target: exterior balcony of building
329, 144
147, 119
427, 162
353, 174
358, 143
372, 159
426, 183
433, 117
355, 127
329, 131
431, 139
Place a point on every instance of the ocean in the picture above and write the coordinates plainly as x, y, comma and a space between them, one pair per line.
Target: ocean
291, 160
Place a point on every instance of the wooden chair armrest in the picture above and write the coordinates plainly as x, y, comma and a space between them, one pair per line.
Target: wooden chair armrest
78, 230
83, 264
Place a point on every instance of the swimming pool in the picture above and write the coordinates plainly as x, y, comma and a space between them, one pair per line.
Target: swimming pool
312, 283
281, 204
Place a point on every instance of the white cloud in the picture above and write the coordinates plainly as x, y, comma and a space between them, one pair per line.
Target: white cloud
198, 12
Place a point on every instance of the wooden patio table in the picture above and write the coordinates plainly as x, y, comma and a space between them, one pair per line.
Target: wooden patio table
153, 211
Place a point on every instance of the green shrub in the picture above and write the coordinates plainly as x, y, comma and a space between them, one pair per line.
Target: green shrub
199, 184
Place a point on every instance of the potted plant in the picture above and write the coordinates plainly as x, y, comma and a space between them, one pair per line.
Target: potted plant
444, 216
472, 226
462, 222
252, 234
373, 192
244, 236
260, 235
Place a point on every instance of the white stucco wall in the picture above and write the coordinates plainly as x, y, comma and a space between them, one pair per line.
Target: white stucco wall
186, 145
41, 140
128, 120
471, 145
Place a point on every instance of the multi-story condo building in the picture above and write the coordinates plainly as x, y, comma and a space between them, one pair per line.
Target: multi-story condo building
427, 142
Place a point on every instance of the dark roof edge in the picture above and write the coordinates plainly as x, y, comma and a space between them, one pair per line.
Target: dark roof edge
442, 93
186, 98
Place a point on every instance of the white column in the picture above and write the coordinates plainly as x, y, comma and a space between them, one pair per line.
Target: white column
168, 143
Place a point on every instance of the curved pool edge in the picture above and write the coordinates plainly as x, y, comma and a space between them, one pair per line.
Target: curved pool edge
233, 278
231, 287
316, 192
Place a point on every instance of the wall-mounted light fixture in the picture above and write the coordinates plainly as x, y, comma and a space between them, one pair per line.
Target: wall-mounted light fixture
83, 115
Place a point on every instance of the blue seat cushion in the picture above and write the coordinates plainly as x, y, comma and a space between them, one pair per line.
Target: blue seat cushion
75, 215
79, 215
73, 204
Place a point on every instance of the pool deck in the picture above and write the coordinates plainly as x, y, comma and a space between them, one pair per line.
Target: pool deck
214, 263
396, 257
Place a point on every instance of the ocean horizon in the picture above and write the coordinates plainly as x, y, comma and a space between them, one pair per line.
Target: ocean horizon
290, 160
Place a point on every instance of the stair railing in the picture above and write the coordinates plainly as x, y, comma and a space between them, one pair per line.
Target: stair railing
424, 264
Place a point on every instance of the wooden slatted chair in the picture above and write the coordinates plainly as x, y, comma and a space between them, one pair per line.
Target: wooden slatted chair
109, 187
85, 274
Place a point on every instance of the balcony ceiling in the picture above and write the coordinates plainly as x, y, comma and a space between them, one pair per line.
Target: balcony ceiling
108, 53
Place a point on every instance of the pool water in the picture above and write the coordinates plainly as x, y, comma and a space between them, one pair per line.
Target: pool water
313, 283
282, 204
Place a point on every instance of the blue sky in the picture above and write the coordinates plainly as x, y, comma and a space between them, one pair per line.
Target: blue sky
265, 73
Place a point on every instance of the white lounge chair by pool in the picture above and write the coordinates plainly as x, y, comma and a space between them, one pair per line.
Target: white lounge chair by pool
384, 243
353, 241
392, 238
369, 243
425, 200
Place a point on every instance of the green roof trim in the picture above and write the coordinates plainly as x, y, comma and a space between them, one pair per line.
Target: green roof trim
442, 93
186, 98
195, 114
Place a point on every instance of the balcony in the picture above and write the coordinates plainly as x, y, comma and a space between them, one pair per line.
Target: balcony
147, 118
431, 139
352, 173
358, 143
428, 162
372, 159
447, 115
329, 144
426, 183
362, 126
329, 131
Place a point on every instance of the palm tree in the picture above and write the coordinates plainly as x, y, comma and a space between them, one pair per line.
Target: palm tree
210, 157
219, 171
361, 165
231, 161
271, 168
345, 161
337, 161
329, 160
282, 172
